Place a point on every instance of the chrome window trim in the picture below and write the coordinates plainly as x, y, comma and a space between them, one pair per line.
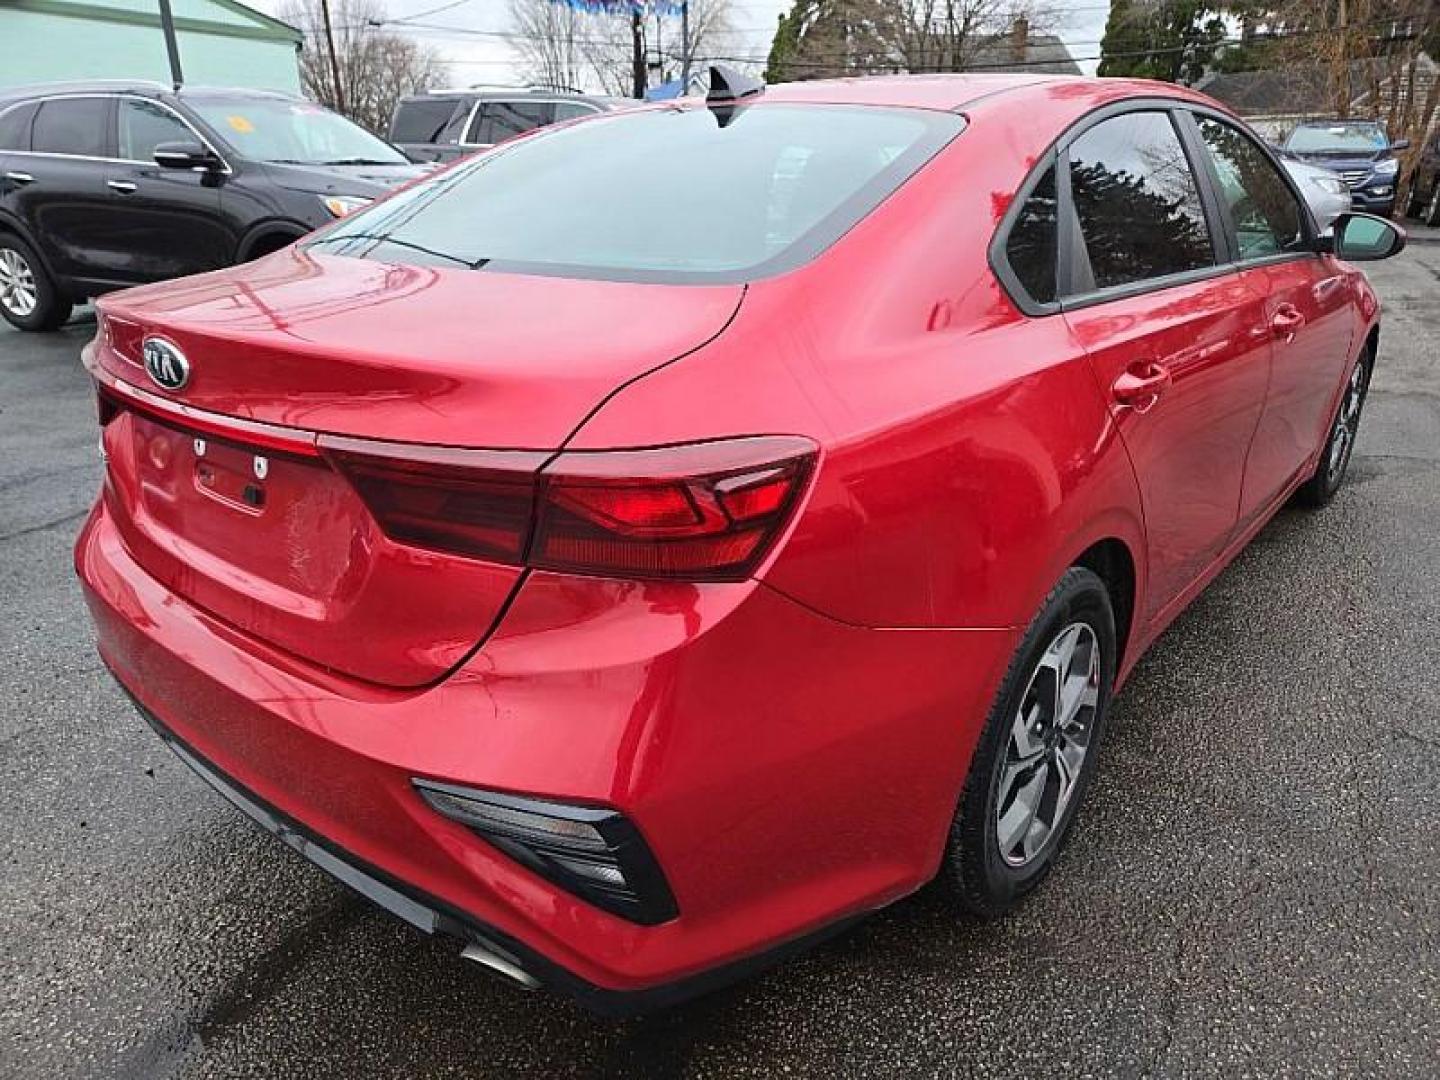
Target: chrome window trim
104, 95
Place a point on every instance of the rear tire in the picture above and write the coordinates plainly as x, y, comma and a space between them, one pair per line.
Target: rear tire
1037, 754
29, 298
1340, 442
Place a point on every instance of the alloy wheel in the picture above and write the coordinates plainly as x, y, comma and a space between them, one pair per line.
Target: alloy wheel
18, 292
1050, 738
1347, 424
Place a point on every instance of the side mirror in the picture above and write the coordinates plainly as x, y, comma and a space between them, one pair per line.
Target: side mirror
185, 155
1366, 238
1400, 144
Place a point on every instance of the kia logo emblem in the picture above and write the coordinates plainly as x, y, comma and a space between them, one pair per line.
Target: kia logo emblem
165, 364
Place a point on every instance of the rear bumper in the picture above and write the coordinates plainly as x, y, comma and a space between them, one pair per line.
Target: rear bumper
431, 915
789, 772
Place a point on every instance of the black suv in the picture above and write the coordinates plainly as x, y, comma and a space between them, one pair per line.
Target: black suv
445, 125
104, 185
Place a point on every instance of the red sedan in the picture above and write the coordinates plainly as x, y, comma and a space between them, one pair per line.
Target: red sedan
654, 543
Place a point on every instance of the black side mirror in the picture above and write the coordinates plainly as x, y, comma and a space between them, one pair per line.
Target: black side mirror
1400, 144
185, 155
1366, 238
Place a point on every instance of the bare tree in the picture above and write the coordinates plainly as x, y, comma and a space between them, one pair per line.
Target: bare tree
549, 38
376, 69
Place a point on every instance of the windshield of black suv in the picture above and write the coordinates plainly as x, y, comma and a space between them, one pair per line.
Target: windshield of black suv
293, 132
1339, 138
656, 195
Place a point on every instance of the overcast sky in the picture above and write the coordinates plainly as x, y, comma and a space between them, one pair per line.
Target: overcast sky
474, 57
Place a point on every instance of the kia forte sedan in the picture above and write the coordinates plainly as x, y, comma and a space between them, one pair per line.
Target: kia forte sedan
635, 572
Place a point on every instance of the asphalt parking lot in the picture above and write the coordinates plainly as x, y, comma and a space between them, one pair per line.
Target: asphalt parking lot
1254, 888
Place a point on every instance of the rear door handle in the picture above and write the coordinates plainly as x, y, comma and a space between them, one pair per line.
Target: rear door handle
1140, 385
1286, 320
20, 177
124, 187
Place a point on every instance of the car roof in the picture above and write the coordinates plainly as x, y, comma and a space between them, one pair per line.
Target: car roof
953, 92
518, 93
139, 87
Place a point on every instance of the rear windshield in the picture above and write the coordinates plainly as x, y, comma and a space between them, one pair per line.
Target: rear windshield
656, 195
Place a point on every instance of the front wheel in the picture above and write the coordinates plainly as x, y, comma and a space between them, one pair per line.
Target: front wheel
1340, 443
1037, 753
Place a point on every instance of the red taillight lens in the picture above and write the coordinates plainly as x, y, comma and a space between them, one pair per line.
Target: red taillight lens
705, 511
478, 503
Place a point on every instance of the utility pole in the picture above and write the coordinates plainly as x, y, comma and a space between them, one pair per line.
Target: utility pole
684, 46
637, 51
334, 60
172, 46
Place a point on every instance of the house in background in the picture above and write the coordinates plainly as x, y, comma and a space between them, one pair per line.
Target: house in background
1275, 100
222, 43
1020, 52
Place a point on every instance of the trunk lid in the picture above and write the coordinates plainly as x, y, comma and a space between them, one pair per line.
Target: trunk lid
261, 531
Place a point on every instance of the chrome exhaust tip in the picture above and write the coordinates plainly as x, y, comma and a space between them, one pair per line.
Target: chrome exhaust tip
507, 969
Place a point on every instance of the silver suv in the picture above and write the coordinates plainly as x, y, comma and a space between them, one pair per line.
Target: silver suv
446, 124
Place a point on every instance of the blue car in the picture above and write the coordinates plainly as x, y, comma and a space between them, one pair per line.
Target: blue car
1360, 151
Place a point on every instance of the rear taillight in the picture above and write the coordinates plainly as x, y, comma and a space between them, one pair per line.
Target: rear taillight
702, 511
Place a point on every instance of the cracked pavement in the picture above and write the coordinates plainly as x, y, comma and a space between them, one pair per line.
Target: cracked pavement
1253, 888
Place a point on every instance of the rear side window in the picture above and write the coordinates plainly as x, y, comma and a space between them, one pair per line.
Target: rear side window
71, 126
1031, 247
15, 127
497, 121
144, 125
1137, 201
421, 121
763, 193
1265, 214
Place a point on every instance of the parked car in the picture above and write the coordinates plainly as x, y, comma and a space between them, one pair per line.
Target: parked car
1424, 202
445, 125
106, 185
1325, 191
1360, 151
635, 589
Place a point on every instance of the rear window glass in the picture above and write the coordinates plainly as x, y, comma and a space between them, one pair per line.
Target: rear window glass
1031, 245
15, 127
421, 121
661, 195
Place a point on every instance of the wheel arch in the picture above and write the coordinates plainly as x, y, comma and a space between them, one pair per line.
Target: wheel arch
268, 236
9, 223
1111, 560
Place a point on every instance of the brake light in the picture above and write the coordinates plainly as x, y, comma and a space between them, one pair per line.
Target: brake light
702, 511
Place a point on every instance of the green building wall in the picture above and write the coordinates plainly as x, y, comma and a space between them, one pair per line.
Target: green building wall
221, 44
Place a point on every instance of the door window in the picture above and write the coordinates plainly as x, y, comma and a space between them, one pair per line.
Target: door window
496, 121
71, 126
1137, 201
144, 125
1266, 217
1031, 245
568, 110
